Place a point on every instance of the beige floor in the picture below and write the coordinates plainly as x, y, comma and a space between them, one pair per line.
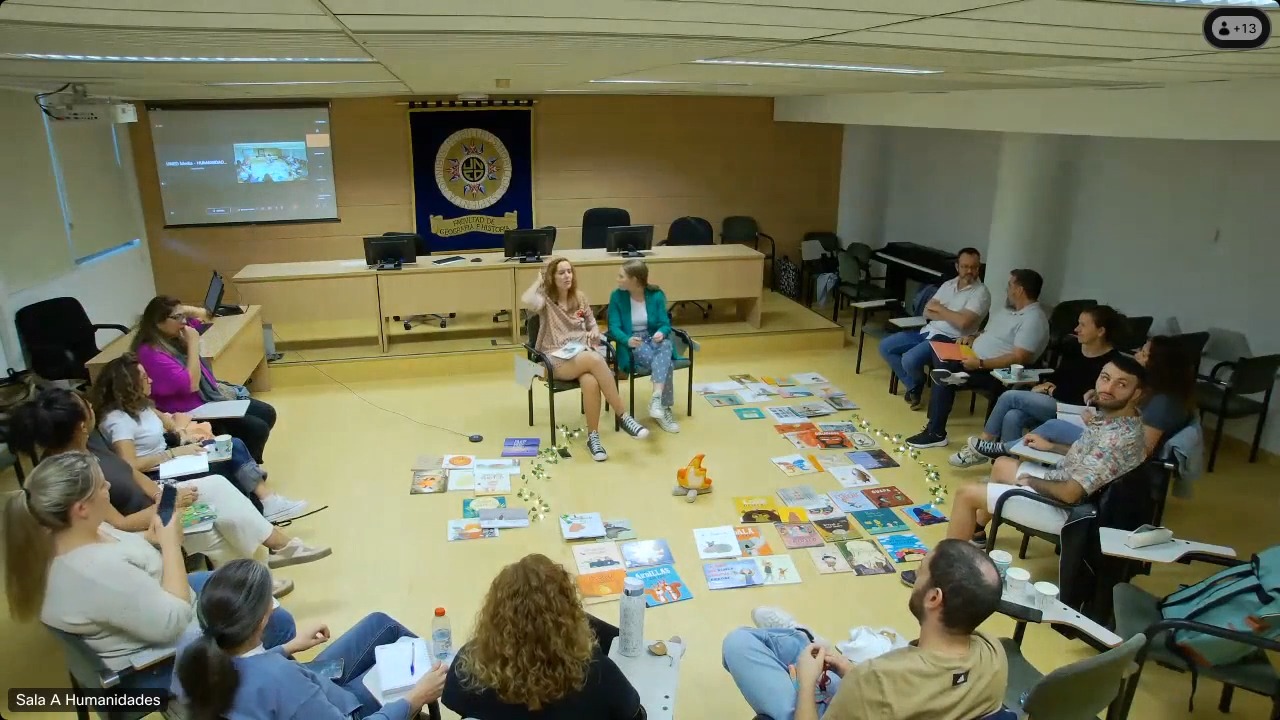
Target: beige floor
332, 448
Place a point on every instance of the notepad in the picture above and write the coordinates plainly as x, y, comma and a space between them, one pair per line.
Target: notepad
1020, 449
951, 351
568, 351
394, 660
183, 466
221, 410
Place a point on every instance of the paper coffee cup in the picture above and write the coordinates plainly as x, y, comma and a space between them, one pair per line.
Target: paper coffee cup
222, 444
1015, 371
1002, 560
1016, 579
1046, 593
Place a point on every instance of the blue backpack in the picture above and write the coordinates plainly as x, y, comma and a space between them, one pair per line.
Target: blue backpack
1244, 598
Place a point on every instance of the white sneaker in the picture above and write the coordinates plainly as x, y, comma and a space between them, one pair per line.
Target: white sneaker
667, 421
296, 552
655, 407
947, 377
967, 457
281, 587
767, 616
596, 448
278, 508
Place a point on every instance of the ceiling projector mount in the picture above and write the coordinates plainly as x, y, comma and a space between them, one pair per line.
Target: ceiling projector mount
77, 105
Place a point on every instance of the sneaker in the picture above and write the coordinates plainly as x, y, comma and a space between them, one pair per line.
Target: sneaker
596, 448
913, 399
946, 377
632, 427
667, 421
278, 508
281, 587
927, 439
772, 617
908, 578
296, 552
967, 457
655, 407
989, 448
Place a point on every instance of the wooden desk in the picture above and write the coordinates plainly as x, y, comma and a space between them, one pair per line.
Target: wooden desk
485, 285
233, 346
322, 300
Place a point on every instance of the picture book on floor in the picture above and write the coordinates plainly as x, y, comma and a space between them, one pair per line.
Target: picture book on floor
459, 462
794, 427
461, 480
803, 440
756, 509
784, 414
504, 517
795, 392
825, 389
862, 441
492, 483
752, 541
798, 535
832, 440
879, 521
904, 547
749, 413
853, 476
662, 585
830, 460
715, 387
471, 507
744, 379
716, 543
850, 501
778, 570
645, 553
841, 426
840, 402
829, 560
925, 514
777, 381
801, 495
619, 529
469, 530
864, 557
823, 508
792, 514
872, 459
511, 466
809, 378
521, 447
732, 574
428, 462
817, 408
723, 399
834, 529
793, 465
757, 392
602, 585
596, 557
581, 526
887, 496
428, 481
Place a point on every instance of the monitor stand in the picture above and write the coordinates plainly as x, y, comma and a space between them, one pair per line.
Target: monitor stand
631, 253
226, 310
530, 258
388, 265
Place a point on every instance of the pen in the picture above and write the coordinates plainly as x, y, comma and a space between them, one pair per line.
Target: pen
413, 657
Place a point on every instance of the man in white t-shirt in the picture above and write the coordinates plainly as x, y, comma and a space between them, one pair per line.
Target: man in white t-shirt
956, 310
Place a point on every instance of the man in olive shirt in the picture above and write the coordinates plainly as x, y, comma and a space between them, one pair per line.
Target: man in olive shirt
950, 673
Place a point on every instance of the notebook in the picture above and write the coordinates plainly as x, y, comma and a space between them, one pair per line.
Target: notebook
395, 660
184, 465
221, 410
951, 351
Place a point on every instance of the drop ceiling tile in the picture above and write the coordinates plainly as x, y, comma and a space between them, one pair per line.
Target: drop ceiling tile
1022, 47
525, 25
195, 72
70, 40
1135, 16
1128, 73
827, 52
910, 7
281, 7
952, 27
148, 18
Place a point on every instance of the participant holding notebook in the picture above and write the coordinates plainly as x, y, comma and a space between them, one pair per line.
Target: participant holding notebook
565, 320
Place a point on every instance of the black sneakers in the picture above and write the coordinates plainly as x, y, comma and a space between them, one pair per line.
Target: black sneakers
596, 448
927, 439
632, 427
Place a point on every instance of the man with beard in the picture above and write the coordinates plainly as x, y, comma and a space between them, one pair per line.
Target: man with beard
1016, 336
1112, 444
951, 672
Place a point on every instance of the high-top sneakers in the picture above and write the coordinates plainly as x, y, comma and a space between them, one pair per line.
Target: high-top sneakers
632, 427
595, 447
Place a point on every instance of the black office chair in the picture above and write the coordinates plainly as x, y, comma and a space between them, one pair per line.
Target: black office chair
857, 284
1226, 397
596, 220
744, 229
9, 457
59, 338
1062, 326
1193, 344
1135, 333
504, 315
690, 230
554, 386
422, 249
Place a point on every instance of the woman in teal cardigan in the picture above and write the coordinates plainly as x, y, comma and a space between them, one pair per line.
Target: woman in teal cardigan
639, 322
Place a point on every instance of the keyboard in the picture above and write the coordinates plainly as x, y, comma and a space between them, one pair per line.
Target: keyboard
447, 260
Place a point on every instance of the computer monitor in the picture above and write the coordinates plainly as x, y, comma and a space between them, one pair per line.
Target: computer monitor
389, 252
213, 296
629, 240
528, 245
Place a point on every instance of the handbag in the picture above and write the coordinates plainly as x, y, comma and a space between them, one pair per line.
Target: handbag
16, 388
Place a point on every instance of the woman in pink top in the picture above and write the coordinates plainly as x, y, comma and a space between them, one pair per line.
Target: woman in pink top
168, 347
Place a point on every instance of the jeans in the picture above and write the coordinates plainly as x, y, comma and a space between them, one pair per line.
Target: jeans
758, 660
943, 396
906, 353
254, 428
1017, 410
355, 648
655, 358
1059, 431
280, 630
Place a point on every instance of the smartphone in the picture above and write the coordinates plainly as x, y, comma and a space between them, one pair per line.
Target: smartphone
331, 669
168, 500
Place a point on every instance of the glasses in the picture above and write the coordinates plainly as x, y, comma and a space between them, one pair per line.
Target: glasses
177, 316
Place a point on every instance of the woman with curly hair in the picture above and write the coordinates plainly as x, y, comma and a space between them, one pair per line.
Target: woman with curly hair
535, 650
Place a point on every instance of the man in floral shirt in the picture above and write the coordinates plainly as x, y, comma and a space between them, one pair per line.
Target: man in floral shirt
1112, 445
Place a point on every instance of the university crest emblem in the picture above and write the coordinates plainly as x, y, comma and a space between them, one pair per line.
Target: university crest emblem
473, 169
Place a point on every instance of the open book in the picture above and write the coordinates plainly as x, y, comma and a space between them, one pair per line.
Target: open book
568, 351
184, 465
1072, 413
221, 410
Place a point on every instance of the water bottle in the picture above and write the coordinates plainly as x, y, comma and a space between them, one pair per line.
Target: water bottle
631, 618
441, 636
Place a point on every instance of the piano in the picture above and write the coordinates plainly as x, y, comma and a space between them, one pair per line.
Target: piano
905, 261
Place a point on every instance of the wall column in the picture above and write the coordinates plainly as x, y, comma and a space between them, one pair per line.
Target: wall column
864, 185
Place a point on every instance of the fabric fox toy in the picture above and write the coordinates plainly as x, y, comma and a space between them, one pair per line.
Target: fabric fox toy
692, 480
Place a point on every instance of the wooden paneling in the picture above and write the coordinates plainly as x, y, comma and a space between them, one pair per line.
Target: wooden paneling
660, 157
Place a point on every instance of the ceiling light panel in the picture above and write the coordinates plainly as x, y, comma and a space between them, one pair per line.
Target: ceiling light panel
793, 65
65, 12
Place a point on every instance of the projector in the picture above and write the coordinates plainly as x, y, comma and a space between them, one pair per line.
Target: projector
110, 112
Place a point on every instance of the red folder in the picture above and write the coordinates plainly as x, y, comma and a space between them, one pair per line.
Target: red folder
951, 351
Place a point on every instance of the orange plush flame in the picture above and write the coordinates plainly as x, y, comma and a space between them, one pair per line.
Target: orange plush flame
693, 476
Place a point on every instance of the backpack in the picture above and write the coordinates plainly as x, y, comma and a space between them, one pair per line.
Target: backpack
788, 282
1244, 598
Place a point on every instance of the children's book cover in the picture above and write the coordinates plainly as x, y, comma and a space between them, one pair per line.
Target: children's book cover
752, 541
803, 440
841, 426
830, 460
887, 496
862, 441
662, 585
757, 392
428, 481
792, 514
795, 427
850, 501
712, 388
784, 414
756, 509
793, 465
777, 381
778, 570
801, 495
469, 530
822, 508
723, 399
825, 389
471, 507
716, 543
809, 378
872, 459
925, 514
749, 413
581, 526
603, 585
840, 402
795, 392
645, 553
459, 462
817, 408
864, 557
853, 476
880, 521
828, 560
510, 466
744, 379
429, 462
461, 480
503, 517
732, 574
836, 529
492, 483
903, 548
832, 440
596, 557
521, 447
798, 535
619, 529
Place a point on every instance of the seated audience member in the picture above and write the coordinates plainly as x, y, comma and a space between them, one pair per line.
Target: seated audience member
1071, 381
136, 430
59, 421
565, 317
952, 672
1016, 335
226, 670
1112, 445
115, 590
168, 346
955, 310
535, 652
639, 322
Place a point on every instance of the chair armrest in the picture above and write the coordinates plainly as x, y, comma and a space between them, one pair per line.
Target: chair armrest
1213, 374
1218, 560
772, 244
1258, 641
538, 357
111, 326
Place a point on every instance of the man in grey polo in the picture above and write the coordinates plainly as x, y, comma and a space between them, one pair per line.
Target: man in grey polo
1017, 335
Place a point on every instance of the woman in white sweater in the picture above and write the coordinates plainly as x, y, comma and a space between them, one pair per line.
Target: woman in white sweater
124, 597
